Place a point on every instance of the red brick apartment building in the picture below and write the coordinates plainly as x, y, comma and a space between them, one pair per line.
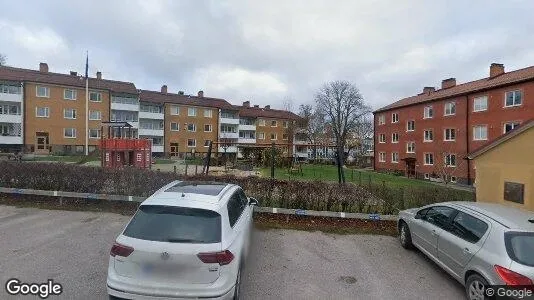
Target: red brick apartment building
430, 134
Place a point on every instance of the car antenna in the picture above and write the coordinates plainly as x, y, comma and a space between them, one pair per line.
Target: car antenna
183, 194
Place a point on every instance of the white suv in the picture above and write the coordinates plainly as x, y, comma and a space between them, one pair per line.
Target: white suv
187, 240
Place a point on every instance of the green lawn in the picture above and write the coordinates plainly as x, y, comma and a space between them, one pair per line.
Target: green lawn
329, 173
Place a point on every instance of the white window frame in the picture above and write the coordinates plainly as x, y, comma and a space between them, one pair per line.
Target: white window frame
195, 143
175, 110
450, 106
74, 94
381, 156
191, 111
208, 113
73, 113
97, 135
206, 143
514, 98
395, 157
381, 119
425, 140
99, 97
395, 118
47, 109
427, 176
514, 124
427, 155
73, 131
194, 127
177, 126
210, 128
95, 119
480, 98
408, 125
47, 89
275, 123
445, 134
393, 141
408, 147
285, 124
275, 136
382, 138
261, 135
426, 112
448, 156
261, 122
286, 136
475, 131
454, 179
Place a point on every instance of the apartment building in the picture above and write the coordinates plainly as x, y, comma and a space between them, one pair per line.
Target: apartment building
430, 134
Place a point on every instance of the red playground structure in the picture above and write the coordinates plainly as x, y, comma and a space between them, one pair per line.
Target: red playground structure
119, 148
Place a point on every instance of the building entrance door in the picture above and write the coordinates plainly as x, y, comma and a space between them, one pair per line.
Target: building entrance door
42, 143
174, 149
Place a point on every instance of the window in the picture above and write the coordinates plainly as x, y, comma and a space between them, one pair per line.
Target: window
439, 216
95, 97
510, 126
207, 113
273, 136
394, 157
229, 128
394, 118
285, 136
42, 112
410, 125
69, 133
261, 135
480, 133
206, 143
513, 99
69, 113
468, 227
94, 133
235, 207
261, 122
191, 143
285, 124
382, 138
450, 109
520, 246
191, 127
514, 192
191, 112
449, 134
175, 126
450, 160
429, 159
453, 179
95, 115
381, 119
410, 147
429, 112
175, 110
480, 103
274, 123
207, 128
394, 137
382, 156
173, 224
428, 135
42, 91
69, 94
10, 89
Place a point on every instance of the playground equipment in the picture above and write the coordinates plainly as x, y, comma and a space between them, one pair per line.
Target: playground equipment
119, 147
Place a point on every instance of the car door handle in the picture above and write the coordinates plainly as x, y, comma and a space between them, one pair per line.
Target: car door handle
467, 251
433, 232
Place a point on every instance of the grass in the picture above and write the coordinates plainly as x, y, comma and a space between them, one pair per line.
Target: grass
163, 161
329, 173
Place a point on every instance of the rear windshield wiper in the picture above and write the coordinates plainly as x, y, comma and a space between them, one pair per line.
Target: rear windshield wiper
179, 240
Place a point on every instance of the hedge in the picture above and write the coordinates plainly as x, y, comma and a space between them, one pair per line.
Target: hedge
311, 195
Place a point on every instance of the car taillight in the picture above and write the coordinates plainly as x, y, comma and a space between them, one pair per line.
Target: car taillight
511, 277
120, 250
222, 258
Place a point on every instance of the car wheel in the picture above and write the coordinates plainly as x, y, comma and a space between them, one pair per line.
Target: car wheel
237, 288
405, 237
475, 287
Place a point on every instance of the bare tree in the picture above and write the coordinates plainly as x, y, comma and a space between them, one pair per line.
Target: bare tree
356, 141
3, 59
312, 125
344, 108
288, 103
446, 164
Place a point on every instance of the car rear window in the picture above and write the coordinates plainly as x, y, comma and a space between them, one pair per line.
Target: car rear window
175, 225
520, 247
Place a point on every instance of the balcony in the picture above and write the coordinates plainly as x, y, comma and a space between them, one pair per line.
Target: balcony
151, 132
150, 115
11, 97
12, 140
233, 121
10, 118
228, 135
247, 127
301, 154
297, 142
229, 149
123, 106
246, 141
157, 148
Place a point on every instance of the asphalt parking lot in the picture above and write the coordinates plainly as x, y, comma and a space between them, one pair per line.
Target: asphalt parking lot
72, 249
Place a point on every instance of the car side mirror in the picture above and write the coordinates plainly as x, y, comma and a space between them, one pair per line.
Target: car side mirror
252, 201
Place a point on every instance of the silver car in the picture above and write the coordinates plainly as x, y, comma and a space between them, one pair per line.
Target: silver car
479, 244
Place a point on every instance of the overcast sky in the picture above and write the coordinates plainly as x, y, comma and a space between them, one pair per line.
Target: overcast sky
266, 51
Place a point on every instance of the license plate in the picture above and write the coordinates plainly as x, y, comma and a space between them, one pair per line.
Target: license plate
158, 269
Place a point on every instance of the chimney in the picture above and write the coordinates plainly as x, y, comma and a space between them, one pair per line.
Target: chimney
428, 89
181, 93
43, 67
99, 75
246, 104
448, 83
256, 106
496, 70
164, 89
73, 73
201, 94
267, 107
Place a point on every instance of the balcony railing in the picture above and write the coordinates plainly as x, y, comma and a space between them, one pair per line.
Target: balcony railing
233, 121
10, 97
151, 115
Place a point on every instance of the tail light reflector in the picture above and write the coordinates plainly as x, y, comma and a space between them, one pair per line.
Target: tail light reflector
511, 277
120, 250
222, 258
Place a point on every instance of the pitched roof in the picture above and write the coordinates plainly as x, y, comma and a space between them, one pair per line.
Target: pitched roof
266, 113
158, 97
507, 78
503, 138
18, 74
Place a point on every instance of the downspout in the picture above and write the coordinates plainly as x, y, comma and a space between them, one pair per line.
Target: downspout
374, 141
467, 139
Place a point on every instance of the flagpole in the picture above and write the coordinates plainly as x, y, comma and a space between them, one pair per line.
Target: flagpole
87, 105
